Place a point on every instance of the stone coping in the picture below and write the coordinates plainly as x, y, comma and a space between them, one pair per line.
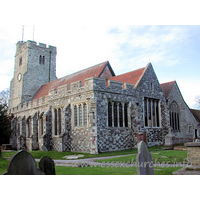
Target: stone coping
188, 170
193, 144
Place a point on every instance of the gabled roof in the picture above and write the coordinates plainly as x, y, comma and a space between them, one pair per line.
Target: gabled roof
94, 71
196, 114
167, 87
132, 77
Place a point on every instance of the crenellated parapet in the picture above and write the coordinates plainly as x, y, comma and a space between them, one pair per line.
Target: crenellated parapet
99, 84
90, 84
32, 44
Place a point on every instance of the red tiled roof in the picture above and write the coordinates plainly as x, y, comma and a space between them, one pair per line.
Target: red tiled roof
130, 77
167, 87
94, 71
196, 114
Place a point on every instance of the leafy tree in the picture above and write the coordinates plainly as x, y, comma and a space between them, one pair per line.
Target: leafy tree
5, 120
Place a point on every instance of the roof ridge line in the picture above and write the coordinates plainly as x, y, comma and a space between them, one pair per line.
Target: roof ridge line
145, 69
76, 72
167, 82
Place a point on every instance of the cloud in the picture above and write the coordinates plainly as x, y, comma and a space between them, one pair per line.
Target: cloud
81, 46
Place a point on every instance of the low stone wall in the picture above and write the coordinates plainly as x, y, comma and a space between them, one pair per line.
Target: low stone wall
193, 153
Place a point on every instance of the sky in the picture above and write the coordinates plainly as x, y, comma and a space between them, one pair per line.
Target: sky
129, 34
173, 50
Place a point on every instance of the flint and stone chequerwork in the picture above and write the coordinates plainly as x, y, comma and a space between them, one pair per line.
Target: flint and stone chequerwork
92, 110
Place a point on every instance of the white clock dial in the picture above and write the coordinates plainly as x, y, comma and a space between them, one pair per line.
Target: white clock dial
19, 77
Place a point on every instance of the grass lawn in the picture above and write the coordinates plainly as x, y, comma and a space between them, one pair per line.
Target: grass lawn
156, 152
97, 170
59, 155
3, 165
169, 157
110, 170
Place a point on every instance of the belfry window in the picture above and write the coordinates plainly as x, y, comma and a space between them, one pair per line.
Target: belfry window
20, 61
174, 116
42, 60
151, 112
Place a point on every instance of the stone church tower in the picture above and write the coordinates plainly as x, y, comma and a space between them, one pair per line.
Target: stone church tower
35, 65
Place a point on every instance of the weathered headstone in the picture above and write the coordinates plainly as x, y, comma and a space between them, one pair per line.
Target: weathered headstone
47, 165
44, 148
144, 160
142, 136
23, 163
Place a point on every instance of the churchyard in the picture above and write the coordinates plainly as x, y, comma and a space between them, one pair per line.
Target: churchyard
167, 161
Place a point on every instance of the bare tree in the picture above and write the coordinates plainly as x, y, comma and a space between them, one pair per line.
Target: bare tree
4, 96
197, 99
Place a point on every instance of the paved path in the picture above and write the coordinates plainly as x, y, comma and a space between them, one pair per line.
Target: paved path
92, 162
85, 161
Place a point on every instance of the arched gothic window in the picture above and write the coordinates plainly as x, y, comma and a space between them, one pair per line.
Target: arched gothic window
41, 124
120, 115
55, 122
85, 114
151, 112
18, 127
110, 114
75, 116
29, 127
175, 116
59, 121
80, 115
115, 115
126, 114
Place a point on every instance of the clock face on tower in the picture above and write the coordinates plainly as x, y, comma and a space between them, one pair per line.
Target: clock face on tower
19, 77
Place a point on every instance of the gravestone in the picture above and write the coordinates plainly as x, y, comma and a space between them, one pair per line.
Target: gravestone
142, 136
144, 160
23, 163
47, 165
44, 148
0, 151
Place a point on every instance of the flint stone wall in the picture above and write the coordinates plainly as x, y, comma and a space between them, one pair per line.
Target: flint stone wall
115, 138
155, 135
193, 153
186, 118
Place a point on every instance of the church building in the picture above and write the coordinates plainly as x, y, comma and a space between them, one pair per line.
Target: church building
92, 110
